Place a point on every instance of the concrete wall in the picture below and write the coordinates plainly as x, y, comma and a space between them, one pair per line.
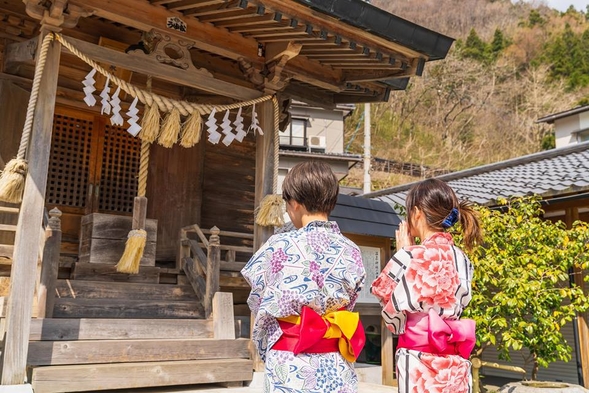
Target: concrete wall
322, 122
572, 129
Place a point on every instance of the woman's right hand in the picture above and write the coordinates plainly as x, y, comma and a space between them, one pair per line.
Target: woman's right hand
402, 236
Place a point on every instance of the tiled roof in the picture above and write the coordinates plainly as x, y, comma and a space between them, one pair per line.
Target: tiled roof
551, 173
360, 216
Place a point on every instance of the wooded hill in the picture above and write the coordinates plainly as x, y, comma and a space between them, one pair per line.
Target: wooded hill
511, 64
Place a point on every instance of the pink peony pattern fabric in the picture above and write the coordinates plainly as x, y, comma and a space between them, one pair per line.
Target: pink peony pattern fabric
435, 275
314, 266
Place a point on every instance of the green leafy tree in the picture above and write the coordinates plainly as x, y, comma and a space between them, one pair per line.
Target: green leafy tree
475, 48
499, 43
522, 291
535, 19
568, 53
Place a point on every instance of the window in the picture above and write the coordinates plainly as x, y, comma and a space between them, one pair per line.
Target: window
583, 136
295, 134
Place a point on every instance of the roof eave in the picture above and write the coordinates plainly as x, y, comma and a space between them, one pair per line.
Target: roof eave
369, 18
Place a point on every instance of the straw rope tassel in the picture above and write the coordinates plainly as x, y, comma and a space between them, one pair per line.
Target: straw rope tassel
137, 238
271, 209
12, 178
170, 129
192, 130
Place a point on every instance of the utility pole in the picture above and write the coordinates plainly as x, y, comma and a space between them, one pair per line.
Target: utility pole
367, 184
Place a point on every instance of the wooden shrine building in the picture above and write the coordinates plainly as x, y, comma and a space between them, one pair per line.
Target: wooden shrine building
79, 74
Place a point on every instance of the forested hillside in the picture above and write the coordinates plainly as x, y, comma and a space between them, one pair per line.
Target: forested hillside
510, 65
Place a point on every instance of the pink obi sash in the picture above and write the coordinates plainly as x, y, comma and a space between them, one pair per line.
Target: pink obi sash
432, 334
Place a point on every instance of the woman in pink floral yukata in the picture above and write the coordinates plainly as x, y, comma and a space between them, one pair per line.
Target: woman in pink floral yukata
424, 289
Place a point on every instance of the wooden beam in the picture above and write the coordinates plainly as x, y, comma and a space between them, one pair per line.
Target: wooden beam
358, 98
218, 8
26, 247
249, 21
18, 53
192, 4
143, 16
140, 15
276, 51
371, 76
139, 62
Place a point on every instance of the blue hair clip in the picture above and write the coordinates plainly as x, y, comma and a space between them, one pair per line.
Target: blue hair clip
451, 219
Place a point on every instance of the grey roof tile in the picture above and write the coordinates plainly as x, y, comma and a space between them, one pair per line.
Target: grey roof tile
553, 172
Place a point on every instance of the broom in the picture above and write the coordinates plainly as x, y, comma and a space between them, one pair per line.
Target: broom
12, 178
137, 238
271, 209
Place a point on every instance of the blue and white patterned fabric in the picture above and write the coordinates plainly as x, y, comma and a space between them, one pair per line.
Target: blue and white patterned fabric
315, 266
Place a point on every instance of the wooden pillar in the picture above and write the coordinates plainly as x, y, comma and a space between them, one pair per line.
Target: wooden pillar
213, 270
387, 356
572, 215
26, 246
264, 173
49, 265
264, 166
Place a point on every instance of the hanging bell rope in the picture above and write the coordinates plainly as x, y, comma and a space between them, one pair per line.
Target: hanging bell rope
271, 209
137, 238
12, 178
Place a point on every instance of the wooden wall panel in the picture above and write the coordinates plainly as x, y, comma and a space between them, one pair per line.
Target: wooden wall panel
174, 193
13, 107
120, 167
229, 186
13, 104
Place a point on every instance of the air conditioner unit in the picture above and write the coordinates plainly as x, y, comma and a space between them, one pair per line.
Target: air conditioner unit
317, 142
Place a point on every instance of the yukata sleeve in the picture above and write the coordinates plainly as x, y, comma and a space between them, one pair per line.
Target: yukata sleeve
394, 292
358, 278
253, 273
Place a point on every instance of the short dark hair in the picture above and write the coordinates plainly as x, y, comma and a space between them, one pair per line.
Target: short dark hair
312, 184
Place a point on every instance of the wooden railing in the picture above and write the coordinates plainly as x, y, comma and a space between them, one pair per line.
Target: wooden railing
49, 248
201, 259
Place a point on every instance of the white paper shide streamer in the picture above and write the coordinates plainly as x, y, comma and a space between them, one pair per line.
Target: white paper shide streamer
214, 135
240, 133
105, 98
89, 88
134, 127
227, 130
116, 119
255, 126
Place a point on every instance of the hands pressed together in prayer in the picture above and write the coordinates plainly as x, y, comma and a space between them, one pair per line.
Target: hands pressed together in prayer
403, 236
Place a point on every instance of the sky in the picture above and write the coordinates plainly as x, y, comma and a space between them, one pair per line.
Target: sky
563, 5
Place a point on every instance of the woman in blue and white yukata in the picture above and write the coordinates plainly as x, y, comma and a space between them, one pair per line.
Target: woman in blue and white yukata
304, 285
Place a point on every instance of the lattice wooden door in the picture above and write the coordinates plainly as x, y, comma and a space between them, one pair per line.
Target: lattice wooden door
93, 168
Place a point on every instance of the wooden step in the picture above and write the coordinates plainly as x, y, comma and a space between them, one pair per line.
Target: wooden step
232, 280
54, 329
7, 228
80, 289
7, 209
104, 272
51, 353
6, 251
124, 308
79, 378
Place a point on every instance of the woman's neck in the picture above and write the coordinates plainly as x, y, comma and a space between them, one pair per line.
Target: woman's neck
310, 217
